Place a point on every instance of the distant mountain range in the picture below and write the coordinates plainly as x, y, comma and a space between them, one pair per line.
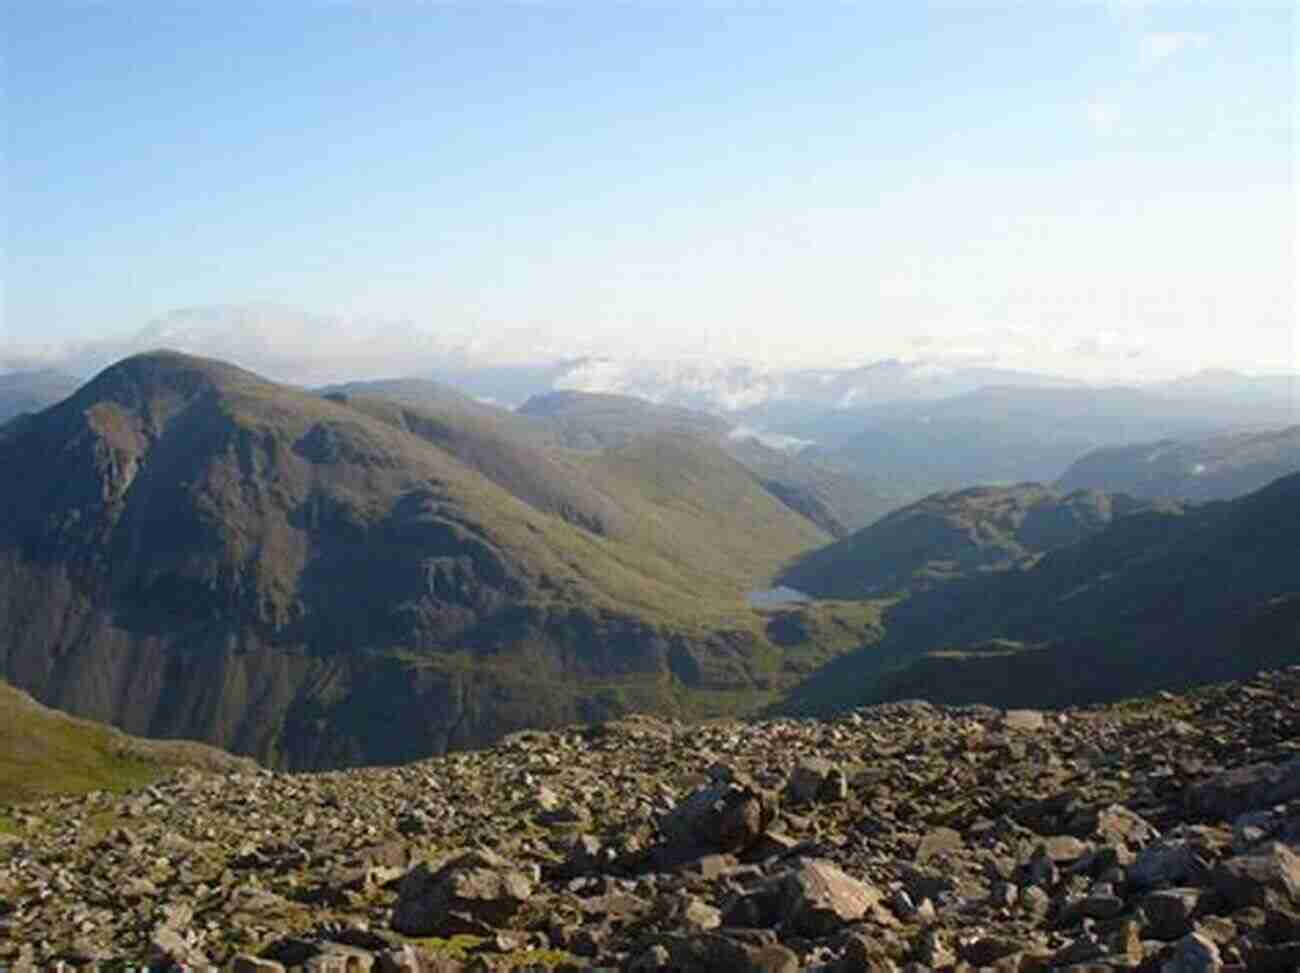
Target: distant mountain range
22, 392
1215, 468
741, 388
1009, 435
509, 366
893, 430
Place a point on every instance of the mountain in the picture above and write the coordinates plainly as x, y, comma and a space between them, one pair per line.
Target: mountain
32, 391
1233, 388
952, 534
1216, 468
1005, 434
423, 393
748, 389
44, 751
189, 550
837, 500
588, 420
1161, 598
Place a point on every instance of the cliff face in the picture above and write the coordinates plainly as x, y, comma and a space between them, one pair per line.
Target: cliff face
187, 550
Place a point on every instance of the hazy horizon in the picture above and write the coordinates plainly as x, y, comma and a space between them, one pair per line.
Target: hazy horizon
1103, 191
299, 347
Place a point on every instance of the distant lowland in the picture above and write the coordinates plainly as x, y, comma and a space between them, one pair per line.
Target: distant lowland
375, 571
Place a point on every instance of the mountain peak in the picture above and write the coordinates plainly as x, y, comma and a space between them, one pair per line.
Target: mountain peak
161, 373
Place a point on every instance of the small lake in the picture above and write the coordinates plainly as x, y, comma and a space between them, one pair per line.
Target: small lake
776, 597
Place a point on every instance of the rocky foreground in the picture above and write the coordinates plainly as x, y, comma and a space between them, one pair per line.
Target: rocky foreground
1157, 835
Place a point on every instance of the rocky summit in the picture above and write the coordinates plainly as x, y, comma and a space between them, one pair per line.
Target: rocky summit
1161, 834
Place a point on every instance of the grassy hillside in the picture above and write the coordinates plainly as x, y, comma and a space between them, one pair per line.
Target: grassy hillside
593, 421
44, 751
834, 499
440, 398
188, 550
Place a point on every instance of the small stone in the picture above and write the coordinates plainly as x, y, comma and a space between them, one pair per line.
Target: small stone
1194, 954
1169, 912
816, 780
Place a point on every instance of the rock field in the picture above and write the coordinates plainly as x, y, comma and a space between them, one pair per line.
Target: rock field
1160, 834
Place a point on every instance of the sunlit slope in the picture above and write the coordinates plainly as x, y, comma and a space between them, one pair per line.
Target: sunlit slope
949, 534
836, 500
44, 751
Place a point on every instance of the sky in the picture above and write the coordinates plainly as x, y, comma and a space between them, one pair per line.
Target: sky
1100, 189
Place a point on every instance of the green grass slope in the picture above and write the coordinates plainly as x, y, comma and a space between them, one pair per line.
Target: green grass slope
836, 500
594, 421
44, 752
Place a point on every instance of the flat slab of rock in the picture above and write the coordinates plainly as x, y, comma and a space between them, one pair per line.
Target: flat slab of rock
1065, 848
937, 843
818, 897
1025, 720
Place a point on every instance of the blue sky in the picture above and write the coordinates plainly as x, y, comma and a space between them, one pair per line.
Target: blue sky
1098, 188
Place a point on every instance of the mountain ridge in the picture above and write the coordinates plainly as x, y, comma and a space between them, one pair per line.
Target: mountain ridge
1165, 597
1217, 468
952, 533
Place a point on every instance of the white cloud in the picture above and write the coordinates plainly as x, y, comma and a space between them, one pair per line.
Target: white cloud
772, 440
1160, 46
1102, 116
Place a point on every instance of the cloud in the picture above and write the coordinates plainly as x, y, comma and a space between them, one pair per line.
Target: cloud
1161, 46
282, 343
1102, 116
